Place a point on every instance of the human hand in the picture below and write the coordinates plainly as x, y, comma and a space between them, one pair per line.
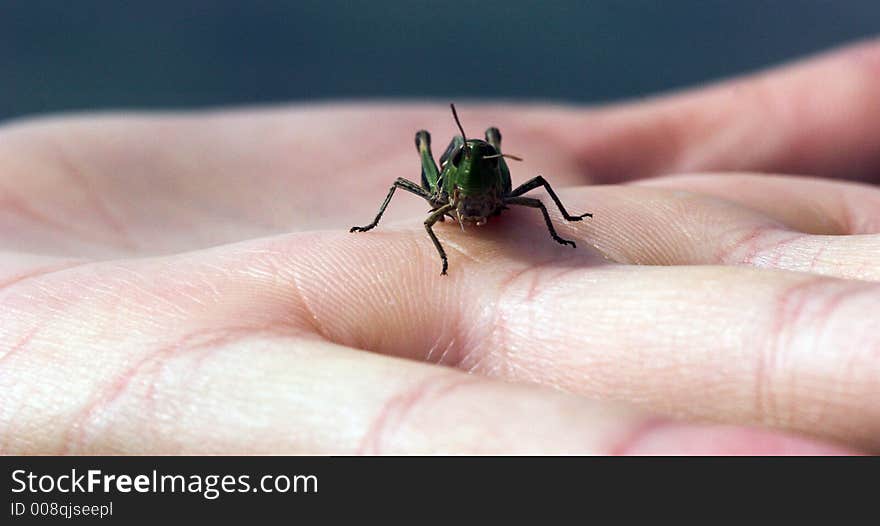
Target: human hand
187, 283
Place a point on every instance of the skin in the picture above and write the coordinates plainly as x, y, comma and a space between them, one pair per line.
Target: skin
185, 283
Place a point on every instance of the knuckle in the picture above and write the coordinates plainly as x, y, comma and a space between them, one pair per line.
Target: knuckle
812, 318
407, 408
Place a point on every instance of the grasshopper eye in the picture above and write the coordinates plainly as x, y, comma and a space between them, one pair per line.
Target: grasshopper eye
457, 157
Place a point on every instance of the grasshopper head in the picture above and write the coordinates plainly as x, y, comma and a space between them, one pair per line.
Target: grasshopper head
477, 181
475, 177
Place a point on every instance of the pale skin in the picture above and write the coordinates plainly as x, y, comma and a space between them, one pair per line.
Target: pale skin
186, 283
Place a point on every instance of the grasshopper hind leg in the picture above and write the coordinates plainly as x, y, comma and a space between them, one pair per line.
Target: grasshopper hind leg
493, 137
405, 184
430, 173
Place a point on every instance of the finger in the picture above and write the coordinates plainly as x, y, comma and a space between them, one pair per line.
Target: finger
17, 266
646, 225
733, 345
737, 345
814, 117
268, 390
805, 204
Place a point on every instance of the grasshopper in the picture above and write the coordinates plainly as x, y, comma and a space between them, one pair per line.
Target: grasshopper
472, 183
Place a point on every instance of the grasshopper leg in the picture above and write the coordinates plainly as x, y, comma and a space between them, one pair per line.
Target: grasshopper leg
405, 184
430, 173
540, 181
429, 223
536, 203
493, 137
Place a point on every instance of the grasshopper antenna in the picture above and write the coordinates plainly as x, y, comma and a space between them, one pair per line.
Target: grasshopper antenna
458, 122
505, 155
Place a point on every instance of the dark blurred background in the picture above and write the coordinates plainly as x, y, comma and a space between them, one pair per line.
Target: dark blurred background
63, 55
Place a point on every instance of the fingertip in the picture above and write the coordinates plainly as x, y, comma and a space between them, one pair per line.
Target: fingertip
688, 439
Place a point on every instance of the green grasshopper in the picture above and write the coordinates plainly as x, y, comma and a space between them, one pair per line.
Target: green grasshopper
473, 183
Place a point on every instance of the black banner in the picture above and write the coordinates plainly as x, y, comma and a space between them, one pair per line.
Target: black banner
125, 489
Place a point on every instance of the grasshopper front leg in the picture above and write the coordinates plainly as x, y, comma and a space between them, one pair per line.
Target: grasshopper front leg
405, 184
429, 223
540, 181
536, 203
